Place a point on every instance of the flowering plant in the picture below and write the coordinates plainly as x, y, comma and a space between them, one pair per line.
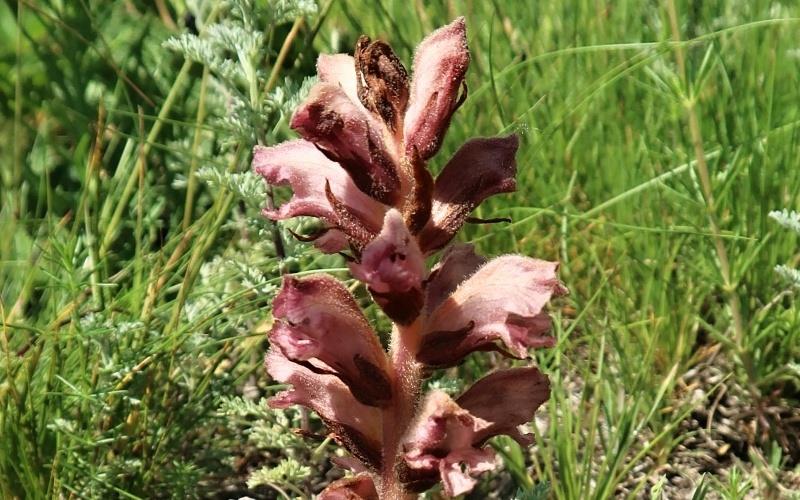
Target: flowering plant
368, 131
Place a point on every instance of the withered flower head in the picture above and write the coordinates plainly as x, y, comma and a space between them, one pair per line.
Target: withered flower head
361, 167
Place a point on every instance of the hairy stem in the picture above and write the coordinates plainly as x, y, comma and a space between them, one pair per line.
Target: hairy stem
406, 375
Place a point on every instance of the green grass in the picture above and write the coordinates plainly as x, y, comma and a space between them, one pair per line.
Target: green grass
134, 296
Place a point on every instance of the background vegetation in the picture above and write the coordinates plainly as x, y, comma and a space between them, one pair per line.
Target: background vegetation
137, 274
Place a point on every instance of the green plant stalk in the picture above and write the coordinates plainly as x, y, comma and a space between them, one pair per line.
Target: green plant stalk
113, 226
112, 229
220, 210
711, 210
17, 177
92, 186
284, 51
191, 182
280, 247
139, 228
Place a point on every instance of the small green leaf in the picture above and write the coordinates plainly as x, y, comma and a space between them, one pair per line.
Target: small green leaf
540, 491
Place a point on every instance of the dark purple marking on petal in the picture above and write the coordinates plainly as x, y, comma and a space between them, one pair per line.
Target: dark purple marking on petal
372, 386
416, 480
401, 307
458, 262
506, 399
347, 134
480, 168
350, 223
445, 347
361, 446
417, 211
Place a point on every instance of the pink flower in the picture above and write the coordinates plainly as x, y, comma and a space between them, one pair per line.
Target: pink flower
481, 168
442, 445
368, 131
446, 442
319, 325
358, 487
321, 189
393, 268
502, 302
440, 65
354, 425
506, 399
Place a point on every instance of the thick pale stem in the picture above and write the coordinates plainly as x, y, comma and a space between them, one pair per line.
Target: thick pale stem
406, 375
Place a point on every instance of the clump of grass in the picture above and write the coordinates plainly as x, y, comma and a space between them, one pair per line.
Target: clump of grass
610, 184
133, 289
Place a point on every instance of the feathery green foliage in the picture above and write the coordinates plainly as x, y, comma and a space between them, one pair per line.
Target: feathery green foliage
133, 294
790, 220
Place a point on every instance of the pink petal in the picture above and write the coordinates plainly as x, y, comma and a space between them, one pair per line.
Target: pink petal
458, 469
444, 443
507, 399
358, 487
348, 463
458, 262
480, 168
392, 267
350, 136
320, 325
328, 240
356, 426
302, 166
440, 64
339, 69
503, 301
392, 262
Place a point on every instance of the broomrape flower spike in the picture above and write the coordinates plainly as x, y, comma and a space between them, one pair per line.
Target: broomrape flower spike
368, 132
